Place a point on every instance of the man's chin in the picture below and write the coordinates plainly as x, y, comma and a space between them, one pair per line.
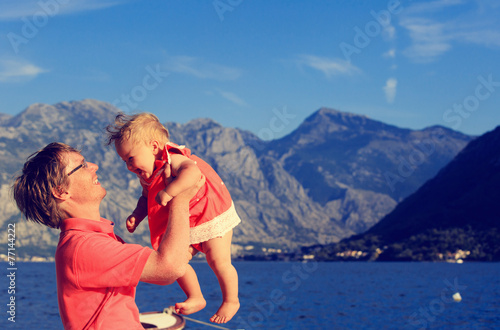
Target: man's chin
104, 193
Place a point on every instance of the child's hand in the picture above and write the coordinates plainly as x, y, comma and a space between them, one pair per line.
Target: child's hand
132, 223
163, 198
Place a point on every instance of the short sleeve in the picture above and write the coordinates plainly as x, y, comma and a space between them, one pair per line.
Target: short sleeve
101, 261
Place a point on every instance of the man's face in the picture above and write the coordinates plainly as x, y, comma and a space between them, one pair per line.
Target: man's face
140, 157
83, 183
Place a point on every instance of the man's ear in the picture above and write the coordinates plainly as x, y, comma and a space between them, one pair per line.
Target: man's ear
60, 193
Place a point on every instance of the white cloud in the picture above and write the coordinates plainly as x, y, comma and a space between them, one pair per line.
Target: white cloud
429, 39
390, 89
233, 98
431, 6
200, 69
18, 71
431, 36
391, 53
17, 9
389, 32
328, 66
486, 37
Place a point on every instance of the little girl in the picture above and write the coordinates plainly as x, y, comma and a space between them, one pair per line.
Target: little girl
164, 170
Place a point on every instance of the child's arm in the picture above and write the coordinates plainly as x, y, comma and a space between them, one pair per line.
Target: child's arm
185, 174
139, 213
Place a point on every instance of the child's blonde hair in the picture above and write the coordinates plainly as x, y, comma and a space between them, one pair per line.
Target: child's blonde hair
142, 127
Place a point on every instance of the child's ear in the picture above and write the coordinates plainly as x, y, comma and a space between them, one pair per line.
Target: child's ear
155, 147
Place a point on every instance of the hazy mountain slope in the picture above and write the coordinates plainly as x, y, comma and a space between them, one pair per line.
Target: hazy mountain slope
333, 147
464, 194
340, 157
456, 210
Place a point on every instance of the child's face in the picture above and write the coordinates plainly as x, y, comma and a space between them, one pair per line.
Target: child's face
140, 158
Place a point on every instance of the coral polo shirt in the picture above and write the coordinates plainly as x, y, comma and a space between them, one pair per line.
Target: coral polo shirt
97, 274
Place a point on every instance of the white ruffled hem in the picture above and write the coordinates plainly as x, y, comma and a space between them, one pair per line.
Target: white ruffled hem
216, 227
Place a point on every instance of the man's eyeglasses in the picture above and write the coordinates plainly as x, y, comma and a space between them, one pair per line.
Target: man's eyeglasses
84, 165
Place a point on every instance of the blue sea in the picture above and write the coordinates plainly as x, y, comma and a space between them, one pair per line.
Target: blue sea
312, 295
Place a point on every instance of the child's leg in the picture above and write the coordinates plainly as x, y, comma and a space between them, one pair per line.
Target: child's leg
218, 253
195, 301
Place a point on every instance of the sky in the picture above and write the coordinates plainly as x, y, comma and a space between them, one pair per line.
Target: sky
259, 65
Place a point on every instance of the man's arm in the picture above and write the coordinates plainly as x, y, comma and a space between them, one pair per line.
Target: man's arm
169, 263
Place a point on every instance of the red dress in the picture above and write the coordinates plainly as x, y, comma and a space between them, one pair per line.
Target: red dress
211, 211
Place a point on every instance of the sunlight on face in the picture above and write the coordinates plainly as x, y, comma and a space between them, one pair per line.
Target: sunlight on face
139, 157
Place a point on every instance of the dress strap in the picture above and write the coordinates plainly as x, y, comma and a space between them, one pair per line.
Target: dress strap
172, 148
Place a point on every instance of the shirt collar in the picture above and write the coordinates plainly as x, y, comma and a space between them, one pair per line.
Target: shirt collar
103, 226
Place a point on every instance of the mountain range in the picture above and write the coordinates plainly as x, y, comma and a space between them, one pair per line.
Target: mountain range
457, 210
336, 175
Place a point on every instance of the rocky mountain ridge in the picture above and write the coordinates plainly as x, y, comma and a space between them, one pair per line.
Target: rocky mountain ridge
336, 175
453, 216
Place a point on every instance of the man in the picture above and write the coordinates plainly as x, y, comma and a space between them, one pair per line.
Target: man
97, 273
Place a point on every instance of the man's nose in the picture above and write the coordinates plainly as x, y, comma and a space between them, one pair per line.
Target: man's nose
93, 166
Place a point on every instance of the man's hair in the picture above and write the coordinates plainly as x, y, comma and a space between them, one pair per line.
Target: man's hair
43, 172
143, 127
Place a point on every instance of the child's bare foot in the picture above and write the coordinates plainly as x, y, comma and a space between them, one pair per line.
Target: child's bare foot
190, 305
226, 312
